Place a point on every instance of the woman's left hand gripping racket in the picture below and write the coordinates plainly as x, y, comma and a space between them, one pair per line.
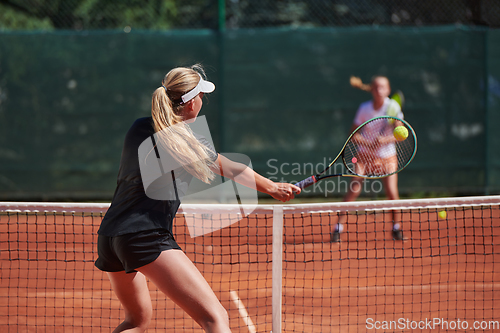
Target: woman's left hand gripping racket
378, 148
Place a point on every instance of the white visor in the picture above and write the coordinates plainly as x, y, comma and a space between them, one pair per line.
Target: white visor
202, 86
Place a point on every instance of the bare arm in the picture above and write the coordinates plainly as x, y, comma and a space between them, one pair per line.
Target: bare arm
247, 177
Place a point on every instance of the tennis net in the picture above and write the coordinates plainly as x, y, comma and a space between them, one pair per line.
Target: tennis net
275, 270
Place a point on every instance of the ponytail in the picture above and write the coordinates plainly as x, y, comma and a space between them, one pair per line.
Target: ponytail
179, 140
357, 83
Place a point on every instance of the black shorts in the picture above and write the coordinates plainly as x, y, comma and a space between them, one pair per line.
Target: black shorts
131, 251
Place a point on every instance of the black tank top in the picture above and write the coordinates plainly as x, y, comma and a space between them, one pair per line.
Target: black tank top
131, 209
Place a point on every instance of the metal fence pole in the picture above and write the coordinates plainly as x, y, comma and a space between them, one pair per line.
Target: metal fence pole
221, 71
487, 120
277, 267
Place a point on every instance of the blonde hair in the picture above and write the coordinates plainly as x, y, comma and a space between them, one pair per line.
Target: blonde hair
356, 82
179, 140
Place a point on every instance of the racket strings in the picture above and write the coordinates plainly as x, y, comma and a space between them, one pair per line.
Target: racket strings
372, 151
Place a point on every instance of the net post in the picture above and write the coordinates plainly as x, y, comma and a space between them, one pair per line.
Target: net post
277, 267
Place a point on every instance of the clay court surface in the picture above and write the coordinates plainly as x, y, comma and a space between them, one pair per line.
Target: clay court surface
447, 269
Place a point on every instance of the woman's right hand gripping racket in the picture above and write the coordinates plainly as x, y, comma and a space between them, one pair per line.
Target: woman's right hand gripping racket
378, 148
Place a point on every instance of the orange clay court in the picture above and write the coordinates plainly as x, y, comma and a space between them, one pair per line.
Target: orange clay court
447, 270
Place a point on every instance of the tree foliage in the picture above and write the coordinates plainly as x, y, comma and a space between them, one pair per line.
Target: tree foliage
192, 14
97, 14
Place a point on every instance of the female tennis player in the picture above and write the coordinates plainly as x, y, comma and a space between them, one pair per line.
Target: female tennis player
380, 89
135, 237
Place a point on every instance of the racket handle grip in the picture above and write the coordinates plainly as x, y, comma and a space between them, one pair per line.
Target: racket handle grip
306, 182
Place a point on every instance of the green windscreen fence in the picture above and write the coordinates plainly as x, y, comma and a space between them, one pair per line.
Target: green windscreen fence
283, 98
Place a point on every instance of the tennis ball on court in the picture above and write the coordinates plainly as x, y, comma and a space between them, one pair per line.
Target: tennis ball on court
400, 133
442, 214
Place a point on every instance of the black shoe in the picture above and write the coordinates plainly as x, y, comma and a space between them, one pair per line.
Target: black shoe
397, 235
335, 237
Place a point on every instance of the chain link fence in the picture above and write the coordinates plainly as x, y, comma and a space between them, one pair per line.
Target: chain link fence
241, 14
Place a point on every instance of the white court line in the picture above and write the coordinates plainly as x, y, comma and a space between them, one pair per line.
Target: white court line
243, 312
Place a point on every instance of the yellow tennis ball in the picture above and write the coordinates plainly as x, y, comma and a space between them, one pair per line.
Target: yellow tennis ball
442, 214
400, 133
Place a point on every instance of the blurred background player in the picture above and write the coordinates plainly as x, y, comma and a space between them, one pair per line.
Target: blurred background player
380, 105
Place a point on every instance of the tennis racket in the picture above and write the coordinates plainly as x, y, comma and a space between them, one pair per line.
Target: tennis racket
392, 109
372, 151
399, 97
